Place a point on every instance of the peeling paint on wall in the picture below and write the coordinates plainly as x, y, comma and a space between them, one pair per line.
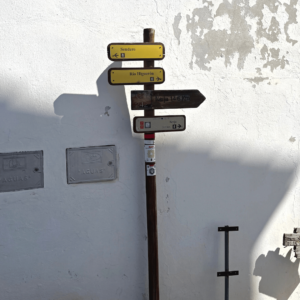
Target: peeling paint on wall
249, 24
275, 60
177, 30
292, 12
257, 80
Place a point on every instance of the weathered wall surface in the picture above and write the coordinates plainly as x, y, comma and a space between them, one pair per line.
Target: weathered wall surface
236, 164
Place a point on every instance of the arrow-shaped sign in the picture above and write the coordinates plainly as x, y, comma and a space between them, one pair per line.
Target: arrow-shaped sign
143, 100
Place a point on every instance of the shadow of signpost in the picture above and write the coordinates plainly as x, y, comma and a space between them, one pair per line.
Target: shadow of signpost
279, 275
94, 235
200, 194
106, 113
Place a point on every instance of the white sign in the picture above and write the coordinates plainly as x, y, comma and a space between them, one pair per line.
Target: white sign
151, 170
149, 153
158, 124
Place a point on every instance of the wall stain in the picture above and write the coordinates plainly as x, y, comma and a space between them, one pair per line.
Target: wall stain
107, 108
210, 43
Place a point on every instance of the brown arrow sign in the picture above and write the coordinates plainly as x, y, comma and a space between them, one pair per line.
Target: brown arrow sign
144, 100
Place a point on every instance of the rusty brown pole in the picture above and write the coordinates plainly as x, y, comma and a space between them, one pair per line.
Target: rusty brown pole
149, 35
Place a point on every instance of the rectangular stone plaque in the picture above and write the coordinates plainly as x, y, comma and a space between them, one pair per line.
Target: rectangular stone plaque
91, 164
21, 171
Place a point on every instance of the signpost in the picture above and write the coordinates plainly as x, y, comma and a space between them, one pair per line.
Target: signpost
143, 100
136, 51
148, 100
158, 124
125, 76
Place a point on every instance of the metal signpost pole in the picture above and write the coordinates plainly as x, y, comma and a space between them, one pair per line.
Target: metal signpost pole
149, 35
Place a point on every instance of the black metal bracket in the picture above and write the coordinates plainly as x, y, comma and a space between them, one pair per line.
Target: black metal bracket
230, 273
228, 228
227, 273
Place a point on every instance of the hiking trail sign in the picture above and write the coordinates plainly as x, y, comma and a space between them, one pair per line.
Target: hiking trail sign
143, 100
132, 76
158, 124
136, 51
148, 100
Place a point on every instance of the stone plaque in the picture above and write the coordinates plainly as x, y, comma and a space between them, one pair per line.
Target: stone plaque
91, 164
21, 171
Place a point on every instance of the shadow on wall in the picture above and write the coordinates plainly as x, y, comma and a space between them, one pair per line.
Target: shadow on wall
279, 275
91, 112
200, 193
98, 230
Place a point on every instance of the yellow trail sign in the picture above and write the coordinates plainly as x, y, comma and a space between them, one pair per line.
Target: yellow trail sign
138, 51
133, 76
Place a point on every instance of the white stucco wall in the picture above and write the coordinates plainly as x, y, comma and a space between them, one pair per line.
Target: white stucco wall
236, 164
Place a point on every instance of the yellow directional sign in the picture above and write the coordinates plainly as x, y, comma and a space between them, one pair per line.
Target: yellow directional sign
138, 51
134, 76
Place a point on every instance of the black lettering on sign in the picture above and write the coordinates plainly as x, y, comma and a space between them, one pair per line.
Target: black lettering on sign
127, 49
182, 98
14, 178
91, 171
143, 74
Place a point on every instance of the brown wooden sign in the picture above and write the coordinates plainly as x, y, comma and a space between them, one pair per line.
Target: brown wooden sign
159, 124
144, 100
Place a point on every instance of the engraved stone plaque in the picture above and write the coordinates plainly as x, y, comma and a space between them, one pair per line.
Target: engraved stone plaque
21, 171
91, 164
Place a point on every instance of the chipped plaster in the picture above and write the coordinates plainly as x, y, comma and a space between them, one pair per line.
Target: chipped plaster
230, 31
